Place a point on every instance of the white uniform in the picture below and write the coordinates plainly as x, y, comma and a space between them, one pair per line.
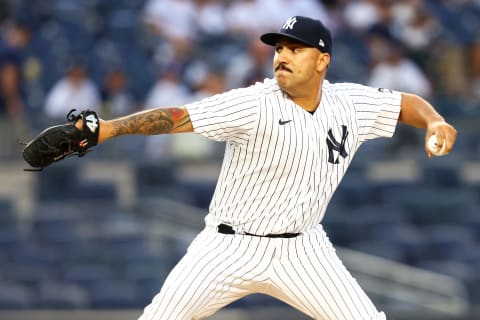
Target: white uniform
281, 167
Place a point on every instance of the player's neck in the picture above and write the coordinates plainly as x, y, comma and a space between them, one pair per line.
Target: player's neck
309, 101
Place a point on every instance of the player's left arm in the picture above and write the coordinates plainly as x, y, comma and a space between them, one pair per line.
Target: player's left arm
417, 112
165, 120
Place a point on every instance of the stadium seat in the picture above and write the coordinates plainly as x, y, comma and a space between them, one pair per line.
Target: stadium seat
470, 219
353, 191
7, 216
201, 192
445, 242
361, 223
159, 179
120, 230
147, 276
379, 216
57, 182
87, 274
11, 236
114, 295
427, 205
83, 252
60, 295
29, 274
15, 296
473, 285
31, 253
55, 229
154, 174
444, 174
408, 239
31, 263
95, 190
341, 228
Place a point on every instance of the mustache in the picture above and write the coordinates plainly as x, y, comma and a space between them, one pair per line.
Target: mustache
282, 66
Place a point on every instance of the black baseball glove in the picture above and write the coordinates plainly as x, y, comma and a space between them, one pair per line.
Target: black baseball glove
58, 142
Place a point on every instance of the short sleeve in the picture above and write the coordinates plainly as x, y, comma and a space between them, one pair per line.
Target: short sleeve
377, 111
229, 116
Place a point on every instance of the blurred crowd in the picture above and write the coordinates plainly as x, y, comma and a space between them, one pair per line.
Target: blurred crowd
120, 56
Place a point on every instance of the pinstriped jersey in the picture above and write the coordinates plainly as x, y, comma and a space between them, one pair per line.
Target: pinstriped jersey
282, 163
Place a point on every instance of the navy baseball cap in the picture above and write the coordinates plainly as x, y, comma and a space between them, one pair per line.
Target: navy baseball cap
305, 30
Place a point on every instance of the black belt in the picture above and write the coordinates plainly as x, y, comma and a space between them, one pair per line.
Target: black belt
226, 229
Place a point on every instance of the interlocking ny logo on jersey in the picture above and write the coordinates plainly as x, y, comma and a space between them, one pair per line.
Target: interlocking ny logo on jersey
334, 145
289, 23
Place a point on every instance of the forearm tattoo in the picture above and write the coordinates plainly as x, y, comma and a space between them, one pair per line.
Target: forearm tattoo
150, 122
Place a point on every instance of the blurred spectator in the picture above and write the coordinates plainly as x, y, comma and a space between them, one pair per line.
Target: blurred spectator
251, 65
74, 90
276, 17
247, 17
172, 19
173, 22
213, 82
448, 68
193, 146
392, 69
168, 89
361, 15
16, 35
417, 29
116, 98
210, 17
415, 26
475, 68
310, 8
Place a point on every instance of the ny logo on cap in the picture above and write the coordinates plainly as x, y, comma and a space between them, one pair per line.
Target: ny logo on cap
289, 23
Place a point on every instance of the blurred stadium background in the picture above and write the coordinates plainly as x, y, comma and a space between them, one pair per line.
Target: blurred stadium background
101, 233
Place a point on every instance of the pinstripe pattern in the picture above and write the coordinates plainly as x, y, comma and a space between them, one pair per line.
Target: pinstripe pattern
276, 177
304, 272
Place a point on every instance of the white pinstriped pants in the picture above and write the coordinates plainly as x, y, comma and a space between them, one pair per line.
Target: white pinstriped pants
303, 272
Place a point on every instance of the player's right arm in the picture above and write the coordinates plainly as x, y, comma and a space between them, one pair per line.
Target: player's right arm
148, 122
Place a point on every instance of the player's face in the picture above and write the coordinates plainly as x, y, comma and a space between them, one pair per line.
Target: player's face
295, 64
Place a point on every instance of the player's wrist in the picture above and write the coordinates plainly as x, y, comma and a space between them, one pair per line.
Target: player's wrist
104, 130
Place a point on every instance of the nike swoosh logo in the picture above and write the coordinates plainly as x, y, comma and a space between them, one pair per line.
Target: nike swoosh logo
280, 122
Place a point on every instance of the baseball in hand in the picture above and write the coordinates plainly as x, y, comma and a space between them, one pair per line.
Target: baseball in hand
432, 146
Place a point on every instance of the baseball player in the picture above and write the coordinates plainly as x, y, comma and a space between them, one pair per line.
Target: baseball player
289, 141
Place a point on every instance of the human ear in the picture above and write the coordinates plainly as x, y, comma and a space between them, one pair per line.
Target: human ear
323, 61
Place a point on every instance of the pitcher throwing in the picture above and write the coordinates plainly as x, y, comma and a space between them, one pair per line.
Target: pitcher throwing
289, 141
